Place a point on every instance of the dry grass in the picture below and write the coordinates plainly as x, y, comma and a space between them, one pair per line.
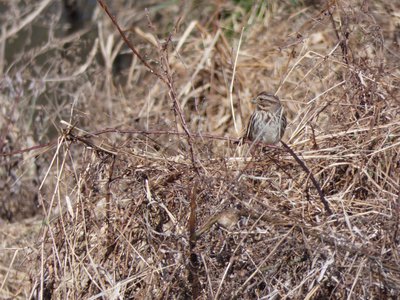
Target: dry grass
143, 191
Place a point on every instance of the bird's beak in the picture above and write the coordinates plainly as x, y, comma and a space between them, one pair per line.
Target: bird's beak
254, 101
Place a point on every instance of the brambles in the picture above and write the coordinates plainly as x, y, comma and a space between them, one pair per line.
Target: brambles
141, 162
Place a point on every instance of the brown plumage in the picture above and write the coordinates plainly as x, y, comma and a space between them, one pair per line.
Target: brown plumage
268, 122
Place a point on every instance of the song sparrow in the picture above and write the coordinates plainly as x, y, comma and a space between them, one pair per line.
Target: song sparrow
268, 122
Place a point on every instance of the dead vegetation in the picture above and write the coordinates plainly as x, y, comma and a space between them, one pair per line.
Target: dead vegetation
142, 191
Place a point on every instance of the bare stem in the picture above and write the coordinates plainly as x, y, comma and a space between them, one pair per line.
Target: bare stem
314, 181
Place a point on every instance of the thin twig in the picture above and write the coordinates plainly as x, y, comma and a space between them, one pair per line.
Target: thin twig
127, 41
193, 257
314, 181
166, 78
86, 135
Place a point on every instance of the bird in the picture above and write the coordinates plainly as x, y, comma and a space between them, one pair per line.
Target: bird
267, 123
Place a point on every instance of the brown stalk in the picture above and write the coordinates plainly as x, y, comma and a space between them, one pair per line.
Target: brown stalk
127, 41
193, 259
313, 180
166, 78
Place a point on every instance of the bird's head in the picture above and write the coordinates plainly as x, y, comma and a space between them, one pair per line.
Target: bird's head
267, 102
